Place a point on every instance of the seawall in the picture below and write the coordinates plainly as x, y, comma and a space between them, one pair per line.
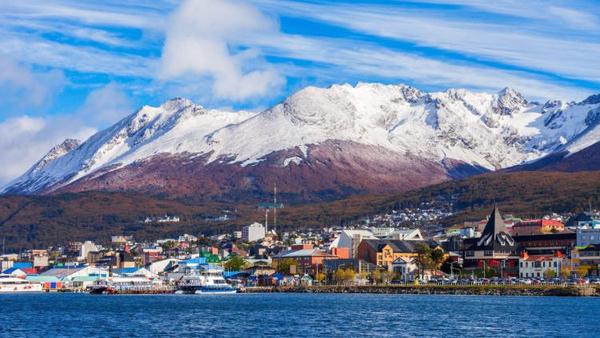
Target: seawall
491, 290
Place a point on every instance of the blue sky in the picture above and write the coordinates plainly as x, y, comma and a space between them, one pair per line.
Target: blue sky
70, 68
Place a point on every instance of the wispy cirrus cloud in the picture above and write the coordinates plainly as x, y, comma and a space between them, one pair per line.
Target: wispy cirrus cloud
477, 39
553, 13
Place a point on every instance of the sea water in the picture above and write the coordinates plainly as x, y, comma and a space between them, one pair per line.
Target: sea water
296, 315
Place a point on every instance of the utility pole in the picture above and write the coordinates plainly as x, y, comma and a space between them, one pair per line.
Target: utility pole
267, 220
484, 269
275, 207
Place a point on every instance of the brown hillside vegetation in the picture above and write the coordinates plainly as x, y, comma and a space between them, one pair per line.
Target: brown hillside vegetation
37, 221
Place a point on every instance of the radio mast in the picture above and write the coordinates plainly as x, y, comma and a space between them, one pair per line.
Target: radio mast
275, 208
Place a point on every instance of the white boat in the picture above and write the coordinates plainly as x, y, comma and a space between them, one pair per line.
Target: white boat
125, 285
10, 284
209, 280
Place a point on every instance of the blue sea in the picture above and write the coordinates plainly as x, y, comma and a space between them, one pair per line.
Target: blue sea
296, 315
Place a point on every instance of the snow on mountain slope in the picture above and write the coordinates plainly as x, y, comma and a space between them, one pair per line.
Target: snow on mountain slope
488, 130
176, 126
457, 126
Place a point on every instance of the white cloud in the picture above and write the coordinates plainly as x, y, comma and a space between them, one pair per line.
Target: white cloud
24, 140
542, 11
574, 18
92, 13
534, 47
79, 58
363, 60
105, 106
22, 88
213, 39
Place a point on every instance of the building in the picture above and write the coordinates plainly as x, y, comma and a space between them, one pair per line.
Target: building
253, 232
308, 259
587, 235
406, 235
495, 249
406, 268
383, 252
537, 226
341, 253
121, 240
397, 233
40, 261
543, 266
586, 218
161, 266
20, 272
86, 248
122, 259
351, 239
546, 244
77, 277
588, 256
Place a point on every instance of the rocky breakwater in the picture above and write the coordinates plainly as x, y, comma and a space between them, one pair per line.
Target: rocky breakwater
490, 290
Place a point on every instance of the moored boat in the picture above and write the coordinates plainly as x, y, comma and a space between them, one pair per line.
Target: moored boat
129, 285
9, 284
209, 280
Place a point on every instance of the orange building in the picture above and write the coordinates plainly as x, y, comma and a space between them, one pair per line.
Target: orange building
341, 253
383, 252
537, 226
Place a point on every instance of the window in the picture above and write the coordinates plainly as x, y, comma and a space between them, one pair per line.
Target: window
469, 254
488, 253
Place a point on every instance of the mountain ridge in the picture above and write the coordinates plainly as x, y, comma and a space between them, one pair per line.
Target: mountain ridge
451, 132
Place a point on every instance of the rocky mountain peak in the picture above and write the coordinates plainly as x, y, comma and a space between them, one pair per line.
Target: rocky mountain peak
509, 102
593, 99
56, 152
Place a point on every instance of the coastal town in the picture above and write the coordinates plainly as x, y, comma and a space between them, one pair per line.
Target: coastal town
501, 249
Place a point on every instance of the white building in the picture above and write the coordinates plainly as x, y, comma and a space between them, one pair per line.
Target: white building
253, 232
538, 266
77, 277
406, 235
397, 233
406, 268
350, 239
159, 267
188, 238
86, 248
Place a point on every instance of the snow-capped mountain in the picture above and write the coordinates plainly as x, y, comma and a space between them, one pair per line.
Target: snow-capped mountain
330, 142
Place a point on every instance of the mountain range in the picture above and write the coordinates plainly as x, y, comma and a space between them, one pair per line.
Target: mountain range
323, 144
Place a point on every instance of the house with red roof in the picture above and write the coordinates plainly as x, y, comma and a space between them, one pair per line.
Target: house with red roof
541, 266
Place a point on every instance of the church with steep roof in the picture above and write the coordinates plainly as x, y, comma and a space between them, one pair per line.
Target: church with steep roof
495, 248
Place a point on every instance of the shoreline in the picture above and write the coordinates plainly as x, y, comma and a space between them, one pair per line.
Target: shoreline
479, 290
